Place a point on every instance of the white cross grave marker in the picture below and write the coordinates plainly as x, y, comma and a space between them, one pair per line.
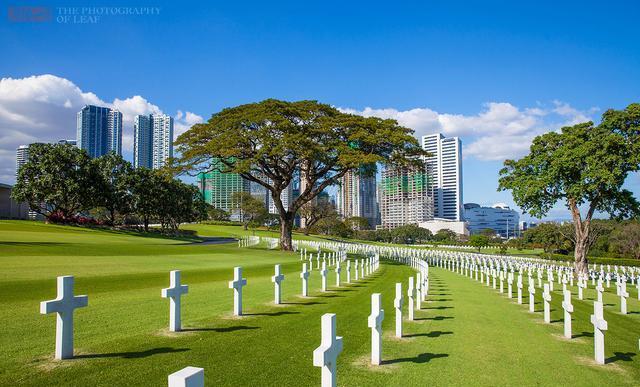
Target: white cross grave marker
568, 309
375, 323
277, 279
410, 302
63, 306
323, 273
326, 355
599, 327
397, 304
532, 292
305, 279
623, 297
237, 284
174, 292
338, 269
546, 297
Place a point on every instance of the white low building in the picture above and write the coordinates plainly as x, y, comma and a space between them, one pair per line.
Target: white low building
438, 224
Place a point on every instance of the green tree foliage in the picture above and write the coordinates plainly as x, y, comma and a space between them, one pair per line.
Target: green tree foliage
252, 210
445, 236
219, 214
58, 181
410, 234
478, 241
625, 240
314, 211
548, 236
112, 186
272, 141
357, 223
583, 166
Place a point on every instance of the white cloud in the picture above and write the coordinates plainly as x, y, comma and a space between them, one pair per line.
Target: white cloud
499, 131
44, 107
182, 121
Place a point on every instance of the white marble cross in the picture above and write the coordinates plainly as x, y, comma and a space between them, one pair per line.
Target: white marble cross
375, 323
410, 302
510, 284
304, 275
326, 355
63, 306
568, 309
501, 281
599, 289
519, 286
623, 297
599, 327
397, 304
173, 293
323, 273
338, 270
582, 284
356, 267
418, 291
348, 272
187, 377
277, 280
546, 297
237, 284
532, 292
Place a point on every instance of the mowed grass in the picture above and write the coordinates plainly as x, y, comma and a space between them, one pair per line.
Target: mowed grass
466, 334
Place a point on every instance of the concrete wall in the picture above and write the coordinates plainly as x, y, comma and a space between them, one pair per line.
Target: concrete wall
10, 209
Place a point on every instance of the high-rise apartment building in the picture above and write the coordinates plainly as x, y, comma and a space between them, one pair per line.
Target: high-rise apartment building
22, 156
445, 164
99, 130
152, 140
356, 196
405, 196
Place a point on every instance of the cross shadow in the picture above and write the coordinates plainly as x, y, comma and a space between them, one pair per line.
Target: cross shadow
436, 318
325, 295
221, 329
272, 314
624, 356
441, 299
430, 334
556, 321
632, 312
303, 303
609, 304
421, 358
440, 307
132, 355
583, 334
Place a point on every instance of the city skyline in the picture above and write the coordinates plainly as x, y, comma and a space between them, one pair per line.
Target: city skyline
492, 79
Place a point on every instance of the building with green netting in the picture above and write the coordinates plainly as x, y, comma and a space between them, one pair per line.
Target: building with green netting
218, 187
406, 196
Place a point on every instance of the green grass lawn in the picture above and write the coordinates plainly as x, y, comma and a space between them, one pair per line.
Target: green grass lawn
467, 334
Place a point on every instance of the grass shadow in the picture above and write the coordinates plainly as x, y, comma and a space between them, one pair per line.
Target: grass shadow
132, 355
303, 303
421, 358
430, 334
435, 318
271, 314
583, 334
624, 356
221, 329
439, 307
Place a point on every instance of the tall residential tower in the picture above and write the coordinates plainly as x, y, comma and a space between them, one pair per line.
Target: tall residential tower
99, 130
152, 140
405, 196
357, 196
445, 164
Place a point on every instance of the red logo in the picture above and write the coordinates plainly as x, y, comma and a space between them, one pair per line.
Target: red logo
29, 14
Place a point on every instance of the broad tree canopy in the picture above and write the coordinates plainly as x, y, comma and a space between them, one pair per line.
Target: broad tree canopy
272, 141
584, 166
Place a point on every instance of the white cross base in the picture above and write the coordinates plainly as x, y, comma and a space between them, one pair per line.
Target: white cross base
187, 377
63, 306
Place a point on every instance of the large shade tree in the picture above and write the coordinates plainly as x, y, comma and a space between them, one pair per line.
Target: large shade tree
272, 141
584, 166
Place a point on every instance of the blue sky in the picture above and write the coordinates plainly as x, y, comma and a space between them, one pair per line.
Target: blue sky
494, 73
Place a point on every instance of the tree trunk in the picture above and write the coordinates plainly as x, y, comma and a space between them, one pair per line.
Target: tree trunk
580, 254
286, 227
581, 230
306, 231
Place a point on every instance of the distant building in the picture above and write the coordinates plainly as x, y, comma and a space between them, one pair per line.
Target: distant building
405, 197
356, 196
9, 208
499, 218
22, 156
68, 142
99, 130
445, 164
438, 224
218, 189
152, 140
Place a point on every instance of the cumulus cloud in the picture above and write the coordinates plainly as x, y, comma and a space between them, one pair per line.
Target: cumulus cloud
499, 131
43, 108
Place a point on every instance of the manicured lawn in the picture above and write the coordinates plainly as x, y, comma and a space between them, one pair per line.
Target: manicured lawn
467, 334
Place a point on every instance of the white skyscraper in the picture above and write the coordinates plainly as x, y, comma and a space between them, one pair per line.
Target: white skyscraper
445, 163
153, 140
356, 197
22, 156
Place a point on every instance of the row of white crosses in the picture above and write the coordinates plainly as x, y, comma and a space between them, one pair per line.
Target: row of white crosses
248, 241
331, 345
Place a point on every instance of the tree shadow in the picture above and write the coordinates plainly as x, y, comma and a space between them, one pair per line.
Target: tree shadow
430, 334
583, 334
435, 318
271, 314
421, 358
28, 244
132, 355
624, 356
221, 329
